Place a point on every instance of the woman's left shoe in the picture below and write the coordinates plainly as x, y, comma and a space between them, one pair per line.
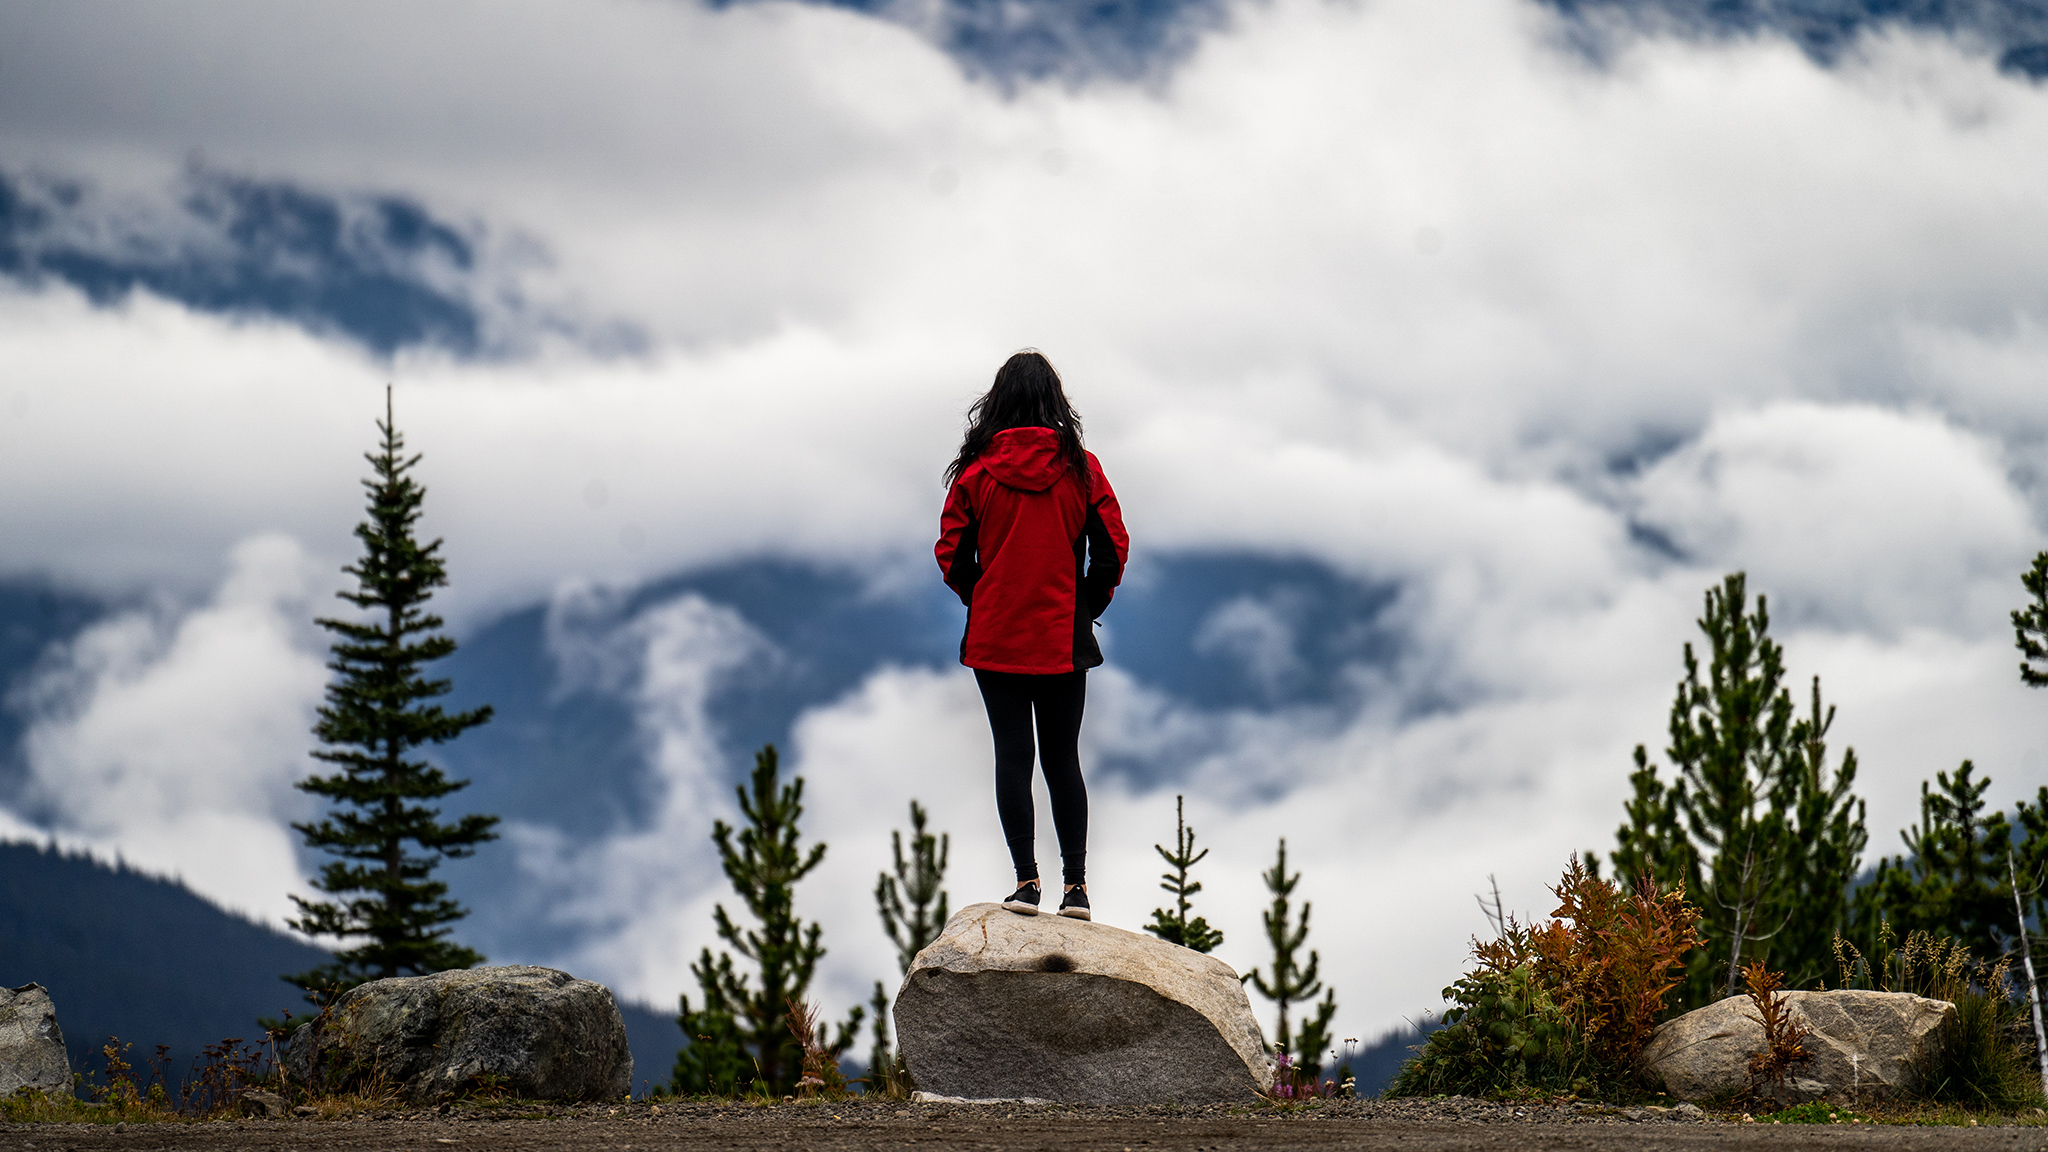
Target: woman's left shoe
1075, 904
1024, 901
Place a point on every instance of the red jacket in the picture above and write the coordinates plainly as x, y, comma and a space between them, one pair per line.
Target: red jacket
1033, 556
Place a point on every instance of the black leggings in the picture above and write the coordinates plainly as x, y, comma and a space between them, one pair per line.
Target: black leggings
1058, 699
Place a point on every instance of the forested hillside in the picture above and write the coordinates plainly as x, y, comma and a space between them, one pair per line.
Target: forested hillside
127, 954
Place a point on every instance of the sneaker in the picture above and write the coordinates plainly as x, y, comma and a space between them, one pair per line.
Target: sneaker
1024, 901
1075, 904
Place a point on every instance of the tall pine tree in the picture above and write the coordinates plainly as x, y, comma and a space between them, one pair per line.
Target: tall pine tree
379, 714
1764, 836
741, 1034
1288, 980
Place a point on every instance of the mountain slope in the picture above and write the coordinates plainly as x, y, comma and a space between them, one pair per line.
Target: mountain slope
143, 958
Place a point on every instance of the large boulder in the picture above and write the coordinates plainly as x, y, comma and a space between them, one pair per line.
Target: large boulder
31, 1044
1009, 1007
532, 1032
1863, 1045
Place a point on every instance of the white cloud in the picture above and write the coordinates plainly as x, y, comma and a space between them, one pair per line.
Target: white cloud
1258, 635
172, 738
1858, 516
637, 897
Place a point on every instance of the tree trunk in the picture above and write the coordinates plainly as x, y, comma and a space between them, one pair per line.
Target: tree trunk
2027, 962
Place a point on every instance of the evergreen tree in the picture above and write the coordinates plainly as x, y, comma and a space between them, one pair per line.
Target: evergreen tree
1290, 981
2030, 625
913, 908
882, 1064
378, 715
2031, 852
714, 1061
913, 901
1762, 834
1825, 842
742, 1027
1653, 842
1174, 927
1954, 880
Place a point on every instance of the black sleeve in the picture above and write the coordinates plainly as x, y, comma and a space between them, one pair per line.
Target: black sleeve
966, 570
1104, 570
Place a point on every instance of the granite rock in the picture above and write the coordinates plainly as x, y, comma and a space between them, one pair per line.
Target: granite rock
1863, 1045
1010, 1007
31, 1045
532, 1032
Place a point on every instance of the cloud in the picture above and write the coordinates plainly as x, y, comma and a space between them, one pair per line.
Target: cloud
1862, 517
636, 897
379, 269
1259, 635
172, 738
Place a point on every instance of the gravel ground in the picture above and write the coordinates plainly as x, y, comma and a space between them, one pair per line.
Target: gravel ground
1409, 1125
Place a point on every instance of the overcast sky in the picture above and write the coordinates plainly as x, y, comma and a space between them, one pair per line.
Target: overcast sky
1531, 346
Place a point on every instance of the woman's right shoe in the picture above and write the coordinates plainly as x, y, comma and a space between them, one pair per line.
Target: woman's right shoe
1024, 901
1075, 904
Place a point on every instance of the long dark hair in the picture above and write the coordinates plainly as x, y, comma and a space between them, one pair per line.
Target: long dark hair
1026, 394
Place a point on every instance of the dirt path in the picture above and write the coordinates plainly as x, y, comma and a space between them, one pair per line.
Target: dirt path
857, 1127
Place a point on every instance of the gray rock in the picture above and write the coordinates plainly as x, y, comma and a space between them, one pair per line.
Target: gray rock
534, 1033
31, 1045
1009, 1007
1863, 1045
265, 1105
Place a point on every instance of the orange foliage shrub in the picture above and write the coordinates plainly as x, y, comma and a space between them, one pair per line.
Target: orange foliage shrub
1607, 958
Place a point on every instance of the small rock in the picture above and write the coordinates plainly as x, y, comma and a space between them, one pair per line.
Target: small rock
1688, 1111
31, 1045
264, 1105
304, 1110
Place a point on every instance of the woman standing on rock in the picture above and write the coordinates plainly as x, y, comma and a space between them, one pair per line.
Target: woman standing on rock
1033, 542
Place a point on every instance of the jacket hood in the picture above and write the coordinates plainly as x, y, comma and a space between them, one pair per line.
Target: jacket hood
1027, 459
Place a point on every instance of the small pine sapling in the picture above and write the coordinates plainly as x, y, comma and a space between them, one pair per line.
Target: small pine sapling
764, 866
714, 1062
912, 904
1174, 927
1288, 980
913, 901
379, 713
887, 1076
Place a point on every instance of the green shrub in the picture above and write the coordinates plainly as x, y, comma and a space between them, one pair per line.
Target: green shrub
1504, 1036
1565, 1006
1974, 1061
